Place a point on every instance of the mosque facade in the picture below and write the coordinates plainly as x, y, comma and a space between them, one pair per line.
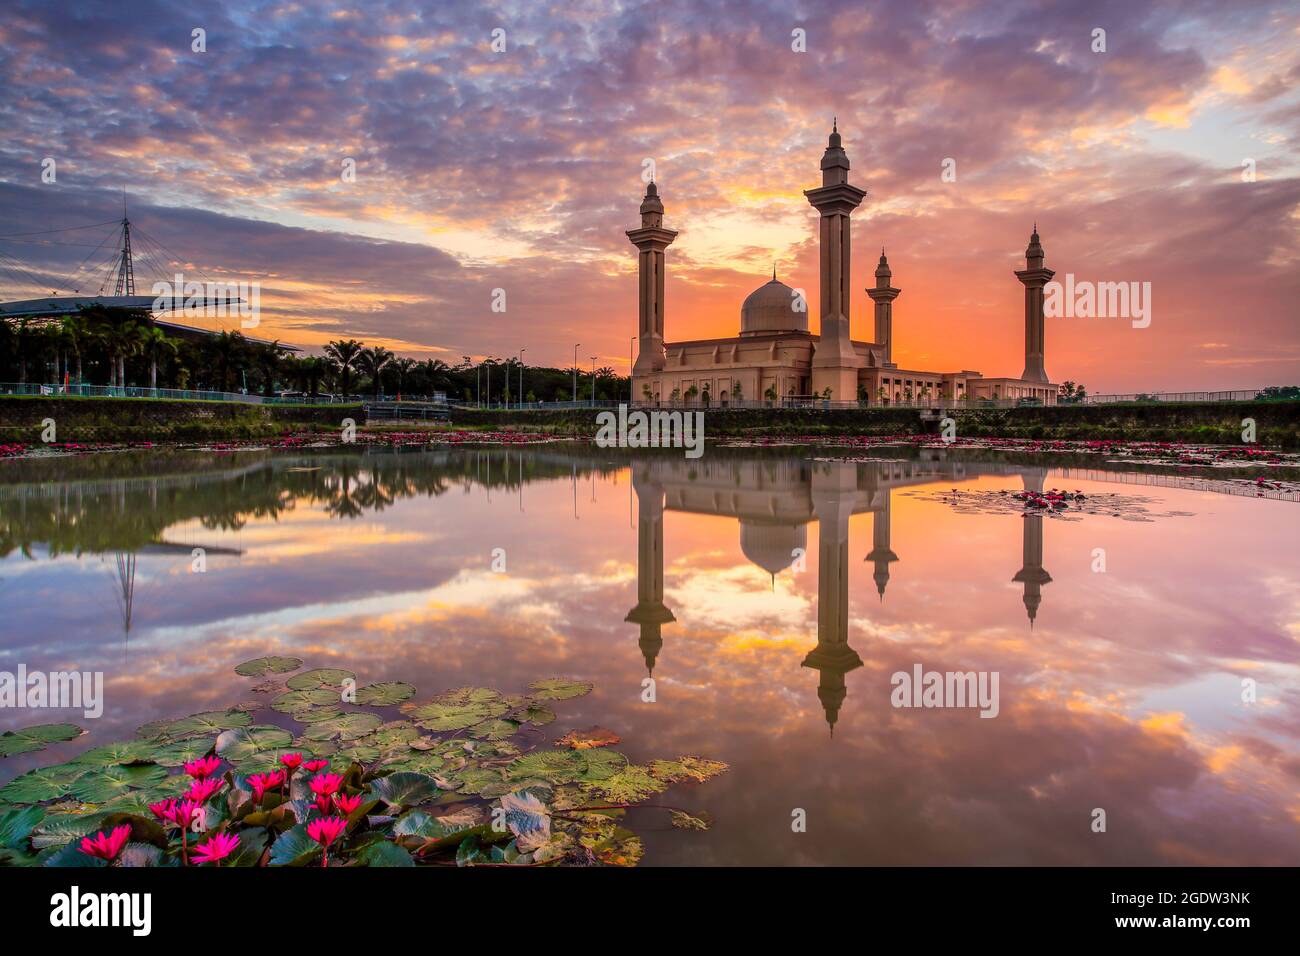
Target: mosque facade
777, 357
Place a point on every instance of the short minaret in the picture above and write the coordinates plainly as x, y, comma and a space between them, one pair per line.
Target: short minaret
884, 295
835, 363
651, 239
1034, 277
882, 556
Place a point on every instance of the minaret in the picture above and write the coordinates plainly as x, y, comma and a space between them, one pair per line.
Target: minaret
884, 295
834, 486
650, 611
881, 554
1032, 573
1034, 277
835, 363
651, 239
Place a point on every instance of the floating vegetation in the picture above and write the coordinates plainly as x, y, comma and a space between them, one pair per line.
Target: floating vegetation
1054, 503
457, 780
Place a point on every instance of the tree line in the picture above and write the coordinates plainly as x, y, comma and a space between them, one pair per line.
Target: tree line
118, 347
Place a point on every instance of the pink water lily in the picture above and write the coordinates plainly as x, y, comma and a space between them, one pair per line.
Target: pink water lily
217, 848
203, 767
325, 784
291, 761
312, 766
345, 803
325, 831
106, 846
262, 782
201, 790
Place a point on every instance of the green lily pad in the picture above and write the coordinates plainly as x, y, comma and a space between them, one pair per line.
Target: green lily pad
320, 678
632, 785
17, 824
42, 784
180, 752
495, 729
127, 751
100, 785
345, 726
404, 789
414, 760
298, 701
386, 694
244, 743
686, 768
64, 829
261, 666
36, 738
538, 714
555, 766
602, 764
294, 847
559, 688
384, 853
209, 722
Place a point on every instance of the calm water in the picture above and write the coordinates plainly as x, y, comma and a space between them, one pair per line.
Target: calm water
1120, 690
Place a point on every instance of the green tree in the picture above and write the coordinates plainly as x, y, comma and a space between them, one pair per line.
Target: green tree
154, 343
373, 361
344, 354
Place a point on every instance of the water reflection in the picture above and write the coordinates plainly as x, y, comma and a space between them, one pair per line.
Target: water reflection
1120, 690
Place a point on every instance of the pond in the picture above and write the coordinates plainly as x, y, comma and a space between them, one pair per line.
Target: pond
751, 607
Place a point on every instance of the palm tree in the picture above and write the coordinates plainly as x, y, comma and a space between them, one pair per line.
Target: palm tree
229, 352
403, 367
269, 358
122, 340
76, 332
344, 355
153, 343
373, 361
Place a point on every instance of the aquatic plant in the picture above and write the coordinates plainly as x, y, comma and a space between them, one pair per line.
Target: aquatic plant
462, 778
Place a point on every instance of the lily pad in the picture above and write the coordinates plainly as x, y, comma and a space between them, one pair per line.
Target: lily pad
528, 819
180, 752
559, 688
632, 785
209, 722
294, 848
43, 784
298, 701
384, 853
320, 678
345, 727
36, 738
687, 768
495, 729
261, 666
125, 752
555, 766
385, 694
101, 785
244, 743
405, 789
589, 738
602, 764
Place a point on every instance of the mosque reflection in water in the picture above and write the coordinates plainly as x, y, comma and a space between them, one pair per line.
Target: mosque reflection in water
774, 501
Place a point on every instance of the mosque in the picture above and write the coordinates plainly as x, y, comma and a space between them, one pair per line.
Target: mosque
777, 356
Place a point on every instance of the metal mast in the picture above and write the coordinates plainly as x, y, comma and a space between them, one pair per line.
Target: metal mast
125, 271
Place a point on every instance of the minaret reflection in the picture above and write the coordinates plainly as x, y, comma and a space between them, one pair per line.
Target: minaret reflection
1032, 573
650, 612
834, 494
881, 554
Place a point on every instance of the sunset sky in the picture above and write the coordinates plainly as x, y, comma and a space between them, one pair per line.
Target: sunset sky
521, 169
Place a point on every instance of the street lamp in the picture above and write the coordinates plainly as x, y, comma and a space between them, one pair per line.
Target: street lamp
593, 381
575, 372
521, 377
631, 343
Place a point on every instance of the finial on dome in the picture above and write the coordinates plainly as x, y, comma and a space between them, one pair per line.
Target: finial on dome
652, 189
773, 271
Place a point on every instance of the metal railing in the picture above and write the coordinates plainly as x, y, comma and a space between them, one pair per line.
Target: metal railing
1241, 395
180, 394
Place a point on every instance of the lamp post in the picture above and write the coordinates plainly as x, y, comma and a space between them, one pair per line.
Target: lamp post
487, 363
521, 377
631, 396
478, 384
575, 372
593, 381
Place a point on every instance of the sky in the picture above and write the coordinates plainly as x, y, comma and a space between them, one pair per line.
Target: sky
517, 164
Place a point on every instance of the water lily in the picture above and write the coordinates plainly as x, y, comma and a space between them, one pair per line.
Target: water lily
220, 846
345, 803
325, 784
106, 846
203, 767
291, 761
201, 790
325, 831
164, 810
314, 766
262, 782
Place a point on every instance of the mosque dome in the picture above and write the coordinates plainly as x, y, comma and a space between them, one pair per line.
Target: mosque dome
771, 546
770, 308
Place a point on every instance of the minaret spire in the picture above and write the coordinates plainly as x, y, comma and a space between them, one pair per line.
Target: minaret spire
1034, 277
651, 239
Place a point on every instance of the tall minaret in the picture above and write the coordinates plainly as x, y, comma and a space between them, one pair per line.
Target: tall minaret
1032, 574
1034, 277
884, 295
651, 239
835, 365
650, 611
834, 486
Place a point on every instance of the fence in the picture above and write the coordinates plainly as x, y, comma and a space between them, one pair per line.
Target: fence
184, 394
1246, 395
